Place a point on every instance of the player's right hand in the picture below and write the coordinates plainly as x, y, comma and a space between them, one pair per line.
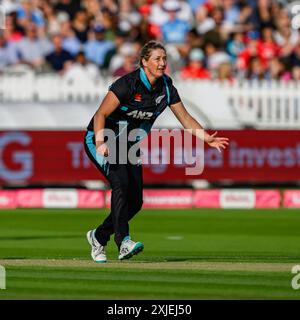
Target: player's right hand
103, 150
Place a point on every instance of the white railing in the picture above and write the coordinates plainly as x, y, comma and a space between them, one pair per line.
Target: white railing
265, 104
48, 88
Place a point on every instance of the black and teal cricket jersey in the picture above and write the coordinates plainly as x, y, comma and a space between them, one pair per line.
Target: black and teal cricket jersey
140, 103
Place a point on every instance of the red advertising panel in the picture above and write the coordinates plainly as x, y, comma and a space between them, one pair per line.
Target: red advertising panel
291, 199
59, 156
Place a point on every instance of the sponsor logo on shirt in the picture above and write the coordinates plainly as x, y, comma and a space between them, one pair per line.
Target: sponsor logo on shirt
140, 114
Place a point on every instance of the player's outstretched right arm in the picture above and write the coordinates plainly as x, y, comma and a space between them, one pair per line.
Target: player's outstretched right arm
188, 122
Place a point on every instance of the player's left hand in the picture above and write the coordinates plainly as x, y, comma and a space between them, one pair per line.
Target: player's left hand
217, 142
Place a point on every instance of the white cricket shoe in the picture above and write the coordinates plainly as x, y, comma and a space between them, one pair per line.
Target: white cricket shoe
129, 248
98, 251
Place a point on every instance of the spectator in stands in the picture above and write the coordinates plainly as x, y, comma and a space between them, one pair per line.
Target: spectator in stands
296, 73
81, 68
215, 56
255, 71
97, 47
93, 10
278, 70
51, 17
195, 4
250, 51
158, 16
218, 35
192, 40
246, 18
117, 60
182, 25
28, 12
286, 39
109, 22
137, 45
174, 30
70, 42
235, 45
148, 30
185, 13
128, 53
120, 39
33, 48
225, 72
68, 6
263, 14
204, 21
80, 25
267, 47
130, 20
111, 5
127, 48
195, 68
59, 59
128, 15
8, 53
295, 56
231, 13
10, 6
13, 32
285, 36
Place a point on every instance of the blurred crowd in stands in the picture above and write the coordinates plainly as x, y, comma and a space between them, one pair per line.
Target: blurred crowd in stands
205, 39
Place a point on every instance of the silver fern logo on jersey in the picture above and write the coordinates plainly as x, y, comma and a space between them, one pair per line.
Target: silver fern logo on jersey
158, 99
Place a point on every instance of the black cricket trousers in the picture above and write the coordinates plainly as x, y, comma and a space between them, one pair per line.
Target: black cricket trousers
126, 181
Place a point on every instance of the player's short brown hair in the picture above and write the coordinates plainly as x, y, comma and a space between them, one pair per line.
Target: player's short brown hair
148, 48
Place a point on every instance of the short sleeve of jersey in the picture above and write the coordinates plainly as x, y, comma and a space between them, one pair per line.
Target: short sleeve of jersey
121, 89
174, 96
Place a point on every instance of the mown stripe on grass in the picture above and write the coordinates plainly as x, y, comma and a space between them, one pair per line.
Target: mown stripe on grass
78, 283
194, 265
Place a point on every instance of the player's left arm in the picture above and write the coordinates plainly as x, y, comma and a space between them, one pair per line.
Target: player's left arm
188, 122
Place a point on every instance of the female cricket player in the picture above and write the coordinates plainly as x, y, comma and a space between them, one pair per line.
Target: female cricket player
134, 101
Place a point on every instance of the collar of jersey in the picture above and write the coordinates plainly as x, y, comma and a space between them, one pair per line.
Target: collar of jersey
144, 79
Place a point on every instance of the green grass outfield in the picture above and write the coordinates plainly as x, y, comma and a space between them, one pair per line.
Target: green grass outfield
189, 254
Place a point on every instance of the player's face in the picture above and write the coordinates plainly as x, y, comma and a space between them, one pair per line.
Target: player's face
157, 63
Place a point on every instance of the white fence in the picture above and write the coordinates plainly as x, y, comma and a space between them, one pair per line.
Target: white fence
266, 104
